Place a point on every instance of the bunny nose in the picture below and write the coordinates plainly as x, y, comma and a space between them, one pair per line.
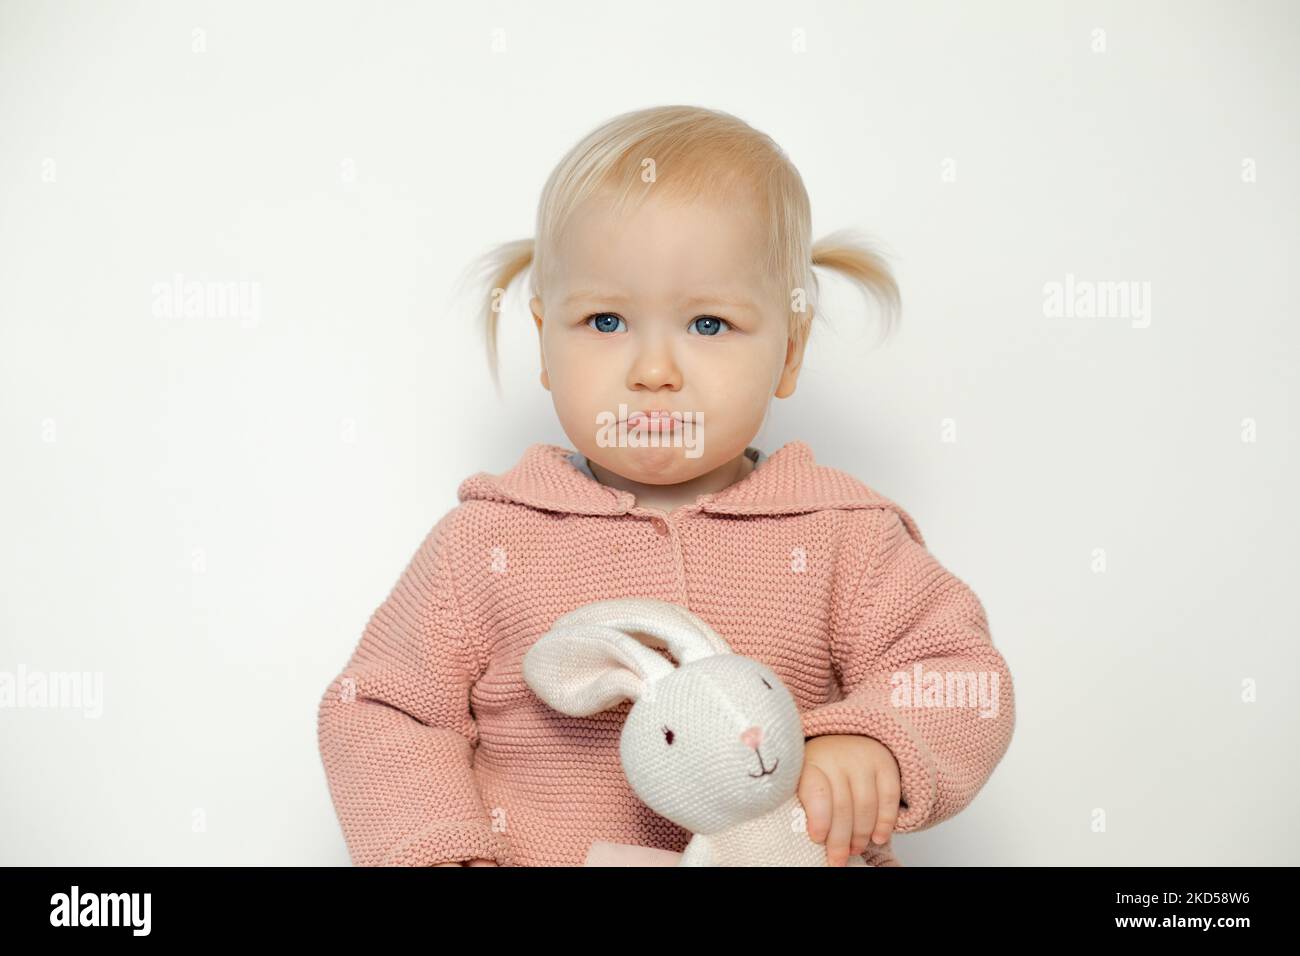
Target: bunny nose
752, 737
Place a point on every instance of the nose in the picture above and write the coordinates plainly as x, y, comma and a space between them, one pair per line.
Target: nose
752, 737
654, 367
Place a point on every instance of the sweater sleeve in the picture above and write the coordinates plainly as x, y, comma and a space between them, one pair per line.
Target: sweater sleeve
395, 729
919, 673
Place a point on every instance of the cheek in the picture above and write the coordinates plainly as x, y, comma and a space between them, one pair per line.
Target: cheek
740, 375
578, 392
560, 363
574, 354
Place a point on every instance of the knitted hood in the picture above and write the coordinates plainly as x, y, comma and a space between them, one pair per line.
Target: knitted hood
788, 482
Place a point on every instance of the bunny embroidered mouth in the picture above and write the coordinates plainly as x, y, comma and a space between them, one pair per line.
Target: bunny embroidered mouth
764, 771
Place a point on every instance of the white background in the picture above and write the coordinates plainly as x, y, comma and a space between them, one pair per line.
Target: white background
206, 510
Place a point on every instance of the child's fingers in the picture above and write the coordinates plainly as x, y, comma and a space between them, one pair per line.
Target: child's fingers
888, 793
815, 795
841, 833
863, 781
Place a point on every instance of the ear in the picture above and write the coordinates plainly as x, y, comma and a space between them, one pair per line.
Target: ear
591, 659
535, 306
582, 669
790, 372
657, 623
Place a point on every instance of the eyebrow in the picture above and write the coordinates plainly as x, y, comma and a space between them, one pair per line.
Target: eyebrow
599, 296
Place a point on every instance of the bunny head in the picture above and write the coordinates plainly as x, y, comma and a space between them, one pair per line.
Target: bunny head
711, 741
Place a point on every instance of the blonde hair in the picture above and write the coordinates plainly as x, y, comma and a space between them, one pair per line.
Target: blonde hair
690, 152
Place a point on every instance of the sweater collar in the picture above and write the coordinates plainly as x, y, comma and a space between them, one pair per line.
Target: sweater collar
789, 481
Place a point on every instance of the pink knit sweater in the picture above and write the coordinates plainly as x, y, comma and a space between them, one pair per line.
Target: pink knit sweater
435, 749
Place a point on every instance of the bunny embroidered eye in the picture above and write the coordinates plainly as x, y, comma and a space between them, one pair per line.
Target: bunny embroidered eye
764, 680
668, 736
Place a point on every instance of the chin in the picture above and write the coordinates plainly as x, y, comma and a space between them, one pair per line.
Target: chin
655, 466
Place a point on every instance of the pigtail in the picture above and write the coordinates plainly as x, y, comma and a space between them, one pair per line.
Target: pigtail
493, 272
856, 259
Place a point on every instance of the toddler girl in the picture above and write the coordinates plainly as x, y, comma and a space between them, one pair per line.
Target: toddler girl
672, 290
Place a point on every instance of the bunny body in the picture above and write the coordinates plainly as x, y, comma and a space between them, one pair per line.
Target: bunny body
777, 838
713, 742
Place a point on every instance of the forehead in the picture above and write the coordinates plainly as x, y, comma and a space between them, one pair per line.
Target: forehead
662, 246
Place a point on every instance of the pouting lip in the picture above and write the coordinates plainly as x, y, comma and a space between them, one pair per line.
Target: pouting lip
653, 413
655, 420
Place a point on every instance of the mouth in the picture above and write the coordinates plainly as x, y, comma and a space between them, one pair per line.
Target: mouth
764, 771
655, 419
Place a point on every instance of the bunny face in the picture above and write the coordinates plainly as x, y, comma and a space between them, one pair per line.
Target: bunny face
714, 743
712, 740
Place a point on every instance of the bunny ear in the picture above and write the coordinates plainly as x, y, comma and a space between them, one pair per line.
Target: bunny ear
591, 658
581, 669
658, 623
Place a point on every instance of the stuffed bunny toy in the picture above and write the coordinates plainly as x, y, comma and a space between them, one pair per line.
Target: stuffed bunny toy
713, 743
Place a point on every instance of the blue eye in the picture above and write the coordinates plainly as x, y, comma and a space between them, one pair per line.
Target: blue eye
601, 318
712, 324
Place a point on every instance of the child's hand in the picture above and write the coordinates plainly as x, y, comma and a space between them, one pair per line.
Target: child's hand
849, 788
